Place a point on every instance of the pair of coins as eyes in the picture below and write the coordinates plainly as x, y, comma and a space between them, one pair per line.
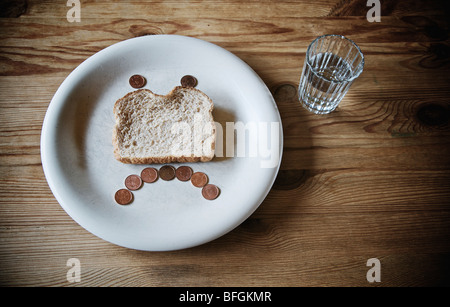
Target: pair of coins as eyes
138, 81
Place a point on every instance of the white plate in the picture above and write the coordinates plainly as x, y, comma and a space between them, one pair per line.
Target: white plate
77, 152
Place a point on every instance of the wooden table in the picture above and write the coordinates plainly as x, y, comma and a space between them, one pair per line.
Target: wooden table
370, 180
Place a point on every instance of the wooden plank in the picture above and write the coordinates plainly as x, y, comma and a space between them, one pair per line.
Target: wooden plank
189, 10
232, 8
309, 249
280, 38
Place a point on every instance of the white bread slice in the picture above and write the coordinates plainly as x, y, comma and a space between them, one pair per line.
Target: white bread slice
151, 128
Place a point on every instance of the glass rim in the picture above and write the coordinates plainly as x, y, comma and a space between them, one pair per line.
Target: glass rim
359, 69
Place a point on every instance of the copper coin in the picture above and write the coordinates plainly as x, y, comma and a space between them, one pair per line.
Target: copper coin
149, 175
199, 179
137, 81
123, 197
210, 191
188, 81
183, 173
167, 172
133, 182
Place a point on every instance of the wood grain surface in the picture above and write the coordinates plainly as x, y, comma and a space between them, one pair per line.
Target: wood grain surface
370, 180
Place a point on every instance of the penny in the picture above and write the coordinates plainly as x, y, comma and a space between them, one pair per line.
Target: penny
167, 172
199, 179
123, 197
183, 173
149, 175
137, 81
210, 191
133, 182
188, 81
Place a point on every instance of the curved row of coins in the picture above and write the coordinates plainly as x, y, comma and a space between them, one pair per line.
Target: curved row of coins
167, 173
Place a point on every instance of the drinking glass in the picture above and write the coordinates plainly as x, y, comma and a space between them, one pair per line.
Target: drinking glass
331, 65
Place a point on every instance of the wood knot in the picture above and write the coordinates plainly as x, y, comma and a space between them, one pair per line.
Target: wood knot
438, 55
433, 115
290, 179
142, 30
12, 8
436, 32
427, 26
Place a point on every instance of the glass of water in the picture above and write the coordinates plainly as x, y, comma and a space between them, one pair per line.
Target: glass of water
332, 63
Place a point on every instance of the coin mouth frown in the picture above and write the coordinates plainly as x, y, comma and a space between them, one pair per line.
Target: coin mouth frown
183, 173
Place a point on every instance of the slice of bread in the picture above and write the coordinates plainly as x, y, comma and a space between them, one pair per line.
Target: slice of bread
151, 128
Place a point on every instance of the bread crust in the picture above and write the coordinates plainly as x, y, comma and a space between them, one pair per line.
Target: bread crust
163, 159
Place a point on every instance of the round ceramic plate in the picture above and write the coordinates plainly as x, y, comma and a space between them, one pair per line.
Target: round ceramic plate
77, 151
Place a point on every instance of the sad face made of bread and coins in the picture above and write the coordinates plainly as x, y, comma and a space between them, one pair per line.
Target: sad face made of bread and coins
237, 139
